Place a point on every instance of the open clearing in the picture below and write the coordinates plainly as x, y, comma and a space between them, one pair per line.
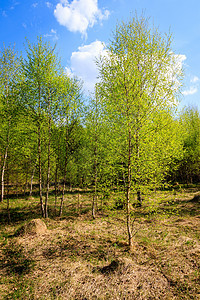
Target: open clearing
77, 257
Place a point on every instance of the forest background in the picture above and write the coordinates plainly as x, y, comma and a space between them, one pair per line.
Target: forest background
129, 136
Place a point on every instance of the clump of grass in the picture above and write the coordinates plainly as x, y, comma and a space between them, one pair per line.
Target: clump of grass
23, 290
16, 261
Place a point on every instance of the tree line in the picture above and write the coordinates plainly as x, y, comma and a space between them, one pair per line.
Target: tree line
128, 136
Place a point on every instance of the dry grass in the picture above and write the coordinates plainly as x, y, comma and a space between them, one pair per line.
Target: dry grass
81, 258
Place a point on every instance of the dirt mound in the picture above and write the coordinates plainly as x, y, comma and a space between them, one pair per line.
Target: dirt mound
34, 227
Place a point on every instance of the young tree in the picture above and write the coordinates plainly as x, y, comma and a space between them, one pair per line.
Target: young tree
138, 85
41, 69
9, 79
94, 143
99, 162
67, 116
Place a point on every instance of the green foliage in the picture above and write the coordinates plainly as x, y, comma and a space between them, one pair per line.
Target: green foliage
188, 165
138, 100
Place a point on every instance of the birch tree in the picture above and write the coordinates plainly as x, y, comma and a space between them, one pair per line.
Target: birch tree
9, 79
67, 116
41, 69
94, 134
139, 84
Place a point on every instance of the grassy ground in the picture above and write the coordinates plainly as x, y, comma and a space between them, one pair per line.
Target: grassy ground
81, 258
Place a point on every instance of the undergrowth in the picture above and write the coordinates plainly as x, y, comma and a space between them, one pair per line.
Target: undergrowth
82, 258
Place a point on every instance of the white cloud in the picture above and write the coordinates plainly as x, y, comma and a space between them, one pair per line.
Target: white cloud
4, 14
194, 79
14, 4
191, 91
48, 4
193, 87
78, 15
82, 63
52, 34
35, 4
175, 69
170, 74
178, 67
68, 71
180, 59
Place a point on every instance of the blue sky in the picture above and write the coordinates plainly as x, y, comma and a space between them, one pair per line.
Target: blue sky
79, 27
